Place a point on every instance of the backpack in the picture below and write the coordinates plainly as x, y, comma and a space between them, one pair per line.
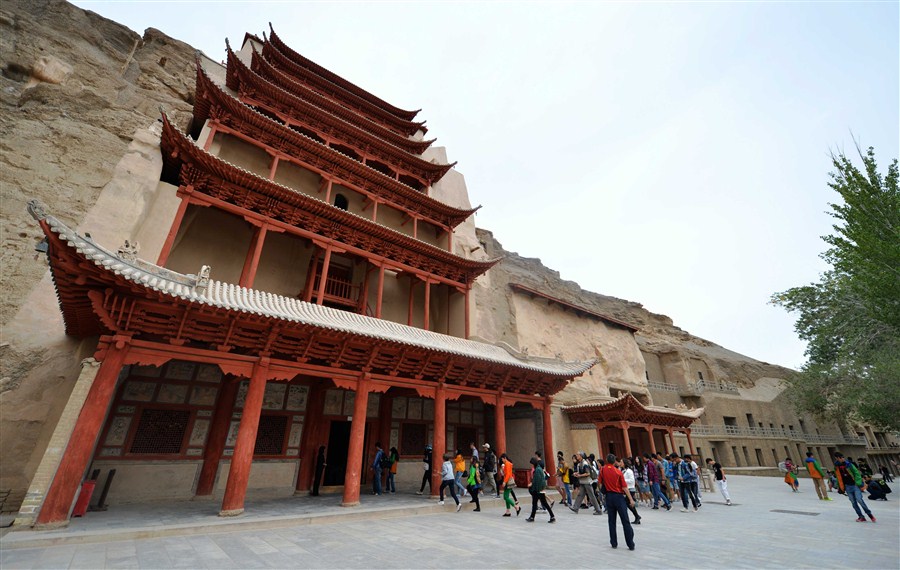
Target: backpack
386, 461
592, 469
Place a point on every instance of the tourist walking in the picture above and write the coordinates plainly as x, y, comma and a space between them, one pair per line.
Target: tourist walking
790, 475
474, 482
617, 498
687, 480
817, 474
459, 467
654, 477
672, 477
627, 470
721, 481
563, 482
585, 471
886, 473
426, 465
851, 482
490, 471
448, 481
538, 484
509, 482
376, 469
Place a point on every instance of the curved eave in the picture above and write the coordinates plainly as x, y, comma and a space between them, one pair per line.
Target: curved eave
399, 148
177, 149
384, 186
147, 280
349, 100
628, 408
338, 80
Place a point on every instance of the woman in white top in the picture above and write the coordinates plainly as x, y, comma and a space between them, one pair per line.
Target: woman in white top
625, 466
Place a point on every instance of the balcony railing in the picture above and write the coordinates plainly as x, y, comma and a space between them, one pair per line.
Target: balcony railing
337, 290
696, 388
777, 433
662, 387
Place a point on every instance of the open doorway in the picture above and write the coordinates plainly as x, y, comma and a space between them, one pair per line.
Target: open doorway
338, 445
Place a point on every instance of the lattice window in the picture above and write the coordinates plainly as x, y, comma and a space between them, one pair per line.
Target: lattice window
270, 435
160, 432
413, 438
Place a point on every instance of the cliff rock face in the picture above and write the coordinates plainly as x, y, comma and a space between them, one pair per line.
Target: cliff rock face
74, 90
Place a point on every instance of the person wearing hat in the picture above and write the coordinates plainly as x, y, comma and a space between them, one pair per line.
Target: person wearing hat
426, 464
490, 471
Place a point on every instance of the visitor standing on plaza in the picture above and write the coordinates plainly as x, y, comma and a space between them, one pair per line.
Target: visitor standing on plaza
490, 470
851, 482
585, 473
319, 471
654, 477
391, 467
817, 474
617, 498
790, 475
563, 482
459, 467
448, 481
474, 482
538, 484
376, 469
426, 466
509, 481
687, 480
721, 481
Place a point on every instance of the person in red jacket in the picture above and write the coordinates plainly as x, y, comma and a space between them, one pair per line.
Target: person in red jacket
617, 500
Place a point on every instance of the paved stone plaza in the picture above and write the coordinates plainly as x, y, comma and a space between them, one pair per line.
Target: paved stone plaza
749, 534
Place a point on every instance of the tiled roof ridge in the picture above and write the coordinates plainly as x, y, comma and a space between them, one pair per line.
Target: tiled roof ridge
399, 237
359, 131
202, 290
339, 81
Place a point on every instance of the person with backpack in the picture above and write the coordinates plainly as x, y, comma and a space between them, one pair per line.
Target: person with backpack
509, 481
538, 484
851, 482
389, 464
490, 471
790, 475
585, 472
687, 480
817, 474
474, 482
426, 464
654, 477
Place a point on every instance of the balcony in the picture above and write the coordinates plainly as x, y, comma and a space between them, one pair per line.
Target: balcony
338, 291
713, 431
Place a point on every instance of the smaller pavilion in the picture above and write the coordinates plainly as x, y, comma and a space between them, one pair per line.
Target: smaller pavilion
626, 427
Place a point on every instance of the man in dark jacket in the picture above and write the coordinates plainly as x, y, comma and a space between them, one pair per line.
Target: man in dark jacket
490, 471
426, 477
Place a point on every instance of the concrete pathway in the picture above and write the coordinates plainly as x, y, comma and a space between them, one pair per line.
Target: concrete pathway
767, 527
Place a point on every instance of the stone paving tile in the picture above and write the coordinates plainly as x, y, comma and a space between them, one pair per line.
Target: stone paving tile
747, 535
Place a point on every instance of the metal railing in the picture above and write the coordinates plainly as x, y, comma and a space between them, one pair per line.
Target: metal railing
661, 386
778, 433
695, 389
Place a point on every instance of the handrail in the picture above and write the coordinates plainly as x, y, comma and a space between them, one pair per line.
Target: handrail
714, 430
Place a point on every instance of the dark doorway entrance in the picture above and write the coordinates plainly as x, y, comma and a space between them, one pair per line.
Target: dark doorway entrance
338, 444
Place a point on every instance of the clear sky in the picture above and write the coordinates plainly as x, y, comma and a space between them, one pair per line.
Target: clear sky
673, 154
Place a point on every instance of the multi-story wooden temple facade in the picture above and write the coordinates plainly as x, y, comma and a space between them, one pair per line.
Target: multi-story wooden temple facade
307, 295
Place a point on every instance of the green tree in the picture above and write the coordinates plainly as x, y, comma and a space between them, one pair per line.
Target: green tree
851, 317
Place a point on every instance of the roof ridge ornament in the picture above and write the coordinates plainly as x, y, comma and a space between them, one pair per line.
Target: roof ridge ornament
37, 209
202, 280
129, 251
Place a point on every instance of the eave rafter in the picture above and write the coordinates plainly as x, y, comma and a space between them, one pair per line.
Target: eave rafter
627, 409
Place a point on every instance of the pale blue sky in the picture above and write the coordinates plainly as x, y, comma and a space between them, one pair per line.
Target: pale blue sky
673, 154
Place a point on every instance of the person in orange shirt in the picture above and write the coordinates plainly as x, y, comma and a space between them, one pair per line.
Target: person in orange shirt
459, 467
508, 482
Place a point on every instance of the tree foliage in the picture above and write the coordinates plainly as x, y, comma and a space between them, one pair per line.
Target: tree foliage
851, 317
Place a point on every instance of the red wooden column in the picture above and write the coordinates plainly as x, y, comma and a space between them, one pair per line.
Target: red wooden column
323, 279
251, 262
409, 311
500, 424
600, 440
548, 444
380, 291
355, 450
176, 225
671, 440
313, 436
74, 463
440, 437
693, 450
624, 427
652, 443
241, 461
468, 289
218, 433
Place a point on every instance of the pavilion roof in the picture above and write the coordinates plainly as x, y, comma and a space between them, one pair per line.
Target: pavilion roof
399, 152
105, 292
336, 79
346, 98
222, 180
627, 408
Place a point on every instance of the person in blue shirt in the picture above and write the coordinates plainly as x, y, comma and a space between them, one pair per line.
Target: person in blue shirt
376, 469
